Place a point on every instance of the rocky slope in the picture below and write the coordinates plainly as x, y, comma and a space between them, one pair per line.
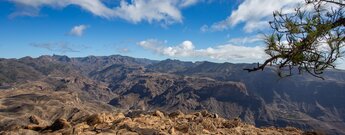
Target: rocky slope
119, 83
157, 122
20, 107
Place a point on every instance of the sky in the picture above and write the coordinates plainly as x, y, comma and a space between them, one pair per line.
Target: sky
190, 30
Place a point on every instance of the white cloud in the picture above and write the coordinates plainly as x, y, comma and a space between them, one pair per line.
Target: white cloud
186, 49
123, 50
32, 7
149, 10
78, 30
59, 47
204, 28
340, 64
246, 40
255, 14
186, 3
167, 11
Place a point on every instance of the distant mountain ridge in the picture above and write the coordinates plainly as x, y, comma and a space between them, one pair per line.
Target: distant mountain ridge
127, 83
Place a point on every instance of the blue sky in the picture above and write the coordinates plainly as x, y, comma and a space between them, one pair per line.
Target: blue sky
214, 30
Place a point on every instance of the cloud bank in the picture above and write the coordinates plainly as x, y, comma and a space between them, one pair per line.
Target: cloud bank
167, 11
186, 49
255, 14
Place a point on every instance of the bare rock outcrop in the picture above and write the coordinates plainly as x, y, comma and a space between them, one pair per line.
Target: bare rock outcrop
157, 122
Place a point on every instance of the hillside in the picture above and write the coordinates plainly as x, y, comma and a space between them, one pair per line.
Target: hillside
53, 87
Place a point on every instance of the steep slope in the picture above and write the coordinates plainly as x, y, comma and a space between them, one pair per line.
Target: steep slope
301, 100
22, 106
14, 71
168, 92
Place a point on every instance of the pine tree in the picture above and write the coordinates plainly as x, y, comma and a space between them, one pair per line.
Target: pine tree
310, 39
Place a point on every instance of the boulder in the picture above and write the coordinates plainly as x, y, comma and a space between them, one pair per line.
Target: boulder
60, 124
35, 120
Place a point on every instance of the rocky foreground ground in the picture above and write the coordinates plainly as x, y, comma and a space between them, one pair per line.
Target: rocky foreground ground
157, 122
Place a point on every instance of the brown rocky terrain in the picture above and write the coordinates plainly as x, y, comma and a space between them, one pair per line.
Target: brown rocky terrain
157, 122
53, 87
21, 107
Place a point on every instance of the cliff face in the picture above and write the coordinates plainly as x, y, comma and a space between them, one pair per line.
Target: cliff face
76, 87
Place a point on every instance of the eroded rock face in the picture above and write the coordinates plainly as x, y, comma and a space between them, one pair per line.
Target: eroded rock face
156, 123
171, 93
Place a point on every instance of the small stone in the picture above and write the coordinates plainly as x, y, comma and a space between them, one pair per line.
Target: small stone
159, 114
34, 127
94, 119
229, 124
184, 127
162, 127
215, 116
80, 127
34, 120
190, 117
103, 118
172, 131
205, 113
60, 124
119, 116
198, 114
176, 114
204, 131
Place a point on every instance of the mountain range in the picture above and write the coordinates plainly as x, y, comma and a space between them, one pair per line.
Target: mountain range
57, 86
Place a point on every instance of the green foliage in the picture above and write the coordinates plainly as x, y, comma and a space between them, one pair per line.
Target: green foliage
310, 39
